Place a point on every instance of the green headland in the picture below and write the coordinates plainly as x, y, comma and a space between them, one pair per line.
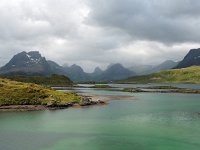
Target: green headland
18, 93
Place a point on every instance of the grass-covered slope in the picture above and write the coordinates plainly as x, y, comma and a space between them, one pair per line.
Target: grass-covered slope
184, 75
53, 80
18, 93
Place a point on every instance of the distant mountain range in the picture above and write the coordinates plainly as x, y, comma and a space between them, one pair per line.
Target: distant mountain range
32, 63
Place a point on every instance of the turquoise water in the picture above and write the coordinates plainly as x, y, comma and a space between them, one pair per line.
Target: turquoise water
153, 121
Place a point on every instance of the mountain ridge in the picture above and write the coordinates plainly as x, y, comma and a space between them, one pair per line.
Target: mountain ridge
32, 63
28, 63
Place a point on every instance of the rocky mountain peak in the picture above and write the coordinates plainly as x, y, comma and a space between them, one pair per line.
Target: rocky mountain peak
191, 59
31, 62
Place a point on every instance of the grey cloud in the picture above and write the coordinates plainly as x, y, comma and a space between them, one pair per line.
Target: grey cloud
165, 21
100, 32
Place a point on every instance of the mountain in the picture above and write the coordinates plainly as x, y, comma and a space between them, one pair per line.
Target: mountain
27, 63
148, 69
97, 71
115, 72
183, 75
95, 75
32, 63
76, 73
191, 59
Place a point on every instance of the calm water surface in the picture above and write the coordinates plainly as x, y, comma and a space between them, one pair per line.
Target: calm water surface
150, 122
191, 86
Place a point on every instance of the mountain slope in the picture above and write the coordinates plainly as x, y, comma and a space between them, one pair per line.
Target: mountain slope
55, 68
191, 59
168, 64
184, 75
148, 69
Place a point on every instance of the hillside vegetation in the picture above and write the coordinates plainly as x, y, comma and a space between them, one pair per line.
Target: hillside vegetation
184, 75
18, 93
53, 80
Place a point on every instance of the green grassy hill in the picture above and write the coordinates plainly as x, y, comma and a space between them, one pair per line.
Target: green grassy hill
18, 93
184, 75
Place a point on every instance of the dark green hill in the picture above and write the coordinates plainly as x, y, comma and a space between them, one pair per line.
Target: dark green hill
18, 93
53, 80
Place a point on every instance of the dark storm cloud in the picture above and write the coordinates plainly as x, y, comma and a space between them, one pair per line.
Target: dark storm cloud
165, 21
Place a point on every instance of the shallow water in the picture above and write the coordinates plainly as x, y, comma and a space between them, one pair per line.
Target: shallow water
153, 121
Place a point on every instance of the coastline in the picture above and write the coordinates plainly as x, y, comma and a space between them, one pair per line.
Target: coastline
86, 101
89, 99
162, 90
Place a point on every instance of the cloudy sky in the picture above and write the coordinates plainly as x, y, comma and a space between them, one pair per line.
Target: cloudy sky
99, 32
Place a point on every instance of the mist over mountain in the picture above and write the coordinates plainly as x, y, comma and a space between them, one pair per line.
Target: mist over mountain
76, 73
115, 72
97, 71
141, 69
168, 64
148, 69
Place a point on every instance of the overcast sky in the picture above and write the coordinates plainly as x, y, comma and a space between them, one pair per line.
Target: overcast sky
99, 32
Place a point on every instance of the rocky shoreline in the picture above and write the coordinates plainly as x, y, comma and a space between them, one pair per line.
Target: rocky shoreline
85, 101
161, 90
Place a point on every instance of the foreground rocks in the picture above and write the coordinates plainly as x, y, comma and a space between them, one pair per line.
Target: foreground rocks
86, 101
52, 105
